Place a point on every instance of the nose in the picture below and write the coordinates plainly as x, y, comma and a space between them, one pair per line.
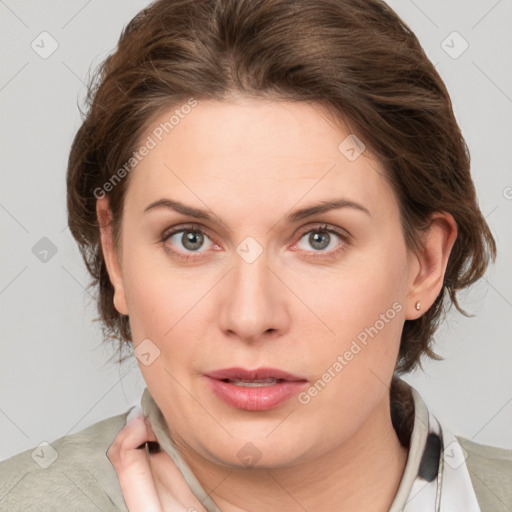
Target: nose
253, 305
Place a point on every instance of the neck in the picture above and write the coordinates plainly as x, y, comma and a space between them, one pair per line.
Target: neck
363, 473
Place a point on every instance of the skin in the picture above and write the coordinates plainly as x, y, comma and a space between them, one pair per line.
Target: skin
297, 307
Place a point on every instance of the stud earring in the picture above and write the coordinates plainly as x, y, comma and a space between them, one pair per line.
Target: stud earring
418, 306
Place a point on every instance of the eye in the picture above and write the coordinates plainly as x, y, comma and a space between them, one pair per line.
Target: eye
184, 241
190, 238
324, 240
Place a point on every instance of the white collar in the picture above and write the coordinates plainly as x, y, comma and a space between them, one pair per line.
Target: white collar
436, 477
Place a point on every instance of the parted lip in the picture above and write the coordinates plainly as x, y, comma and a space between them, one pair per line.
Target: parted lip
256, 374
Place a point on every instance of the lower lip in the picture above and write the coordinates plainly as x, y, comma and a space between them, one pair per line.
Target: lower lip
261, 398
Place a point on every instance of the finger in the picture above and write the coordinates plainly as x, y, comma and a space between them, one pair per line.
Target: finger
131, 463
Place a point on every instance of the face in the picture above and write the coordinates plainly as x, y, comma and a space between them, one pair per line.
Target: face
310, 304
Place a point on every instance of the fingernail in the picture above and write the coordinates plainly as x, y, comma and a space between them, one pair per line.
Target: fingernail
135, 412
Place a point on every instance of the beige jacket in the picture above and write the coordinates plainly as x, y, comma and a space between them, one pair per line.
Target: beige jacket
74, 474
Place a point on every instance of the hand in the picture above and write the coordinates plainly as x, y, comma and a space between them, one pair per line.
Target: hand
150, 482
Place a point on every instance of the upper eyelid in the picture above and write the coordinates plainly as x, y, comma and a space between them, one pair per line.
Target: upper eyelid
186, 227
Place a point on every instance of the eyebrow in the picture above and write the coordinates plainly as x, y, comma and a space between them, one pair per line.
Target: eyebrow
303, 213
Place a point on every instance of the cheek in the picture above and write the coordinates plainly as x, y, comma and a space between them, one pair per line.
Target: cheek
166, 305
156, 294
363, 307
160, 303
147, 299
367, 286
353, 365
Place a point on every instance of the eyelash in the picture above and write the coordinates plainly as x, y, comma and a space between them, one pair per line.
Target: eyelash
324, 228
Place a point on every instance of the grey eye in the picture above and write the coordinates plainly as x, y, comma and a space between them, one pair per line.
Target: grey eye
191, 240
319, 240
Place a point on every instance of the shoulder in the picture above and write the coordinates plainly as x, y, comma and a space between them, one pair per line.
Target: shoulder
490, 469
70, 473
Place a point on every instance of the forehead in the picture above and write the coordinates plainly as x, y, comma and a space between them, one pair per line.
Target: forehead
256, 151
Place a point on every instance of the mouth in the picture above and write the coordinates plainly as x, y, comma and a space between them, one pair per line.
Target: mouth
254, 390
258, 383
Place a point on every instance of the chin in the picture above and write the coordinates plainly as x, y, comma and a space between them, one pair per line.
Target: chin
258, 452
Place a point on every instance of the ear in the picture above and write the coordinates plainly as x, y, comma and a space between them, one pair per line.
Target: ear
112, 259
429, 264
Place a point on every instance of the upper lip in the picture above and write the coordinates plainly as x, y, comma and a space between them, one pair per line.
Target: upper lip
256, 374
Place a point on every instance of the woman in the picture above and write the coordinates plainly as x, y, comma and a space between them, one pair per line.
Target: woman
275, 202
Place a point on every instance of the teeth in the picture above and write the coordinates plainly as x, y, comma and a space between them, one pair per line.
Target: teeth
254, 383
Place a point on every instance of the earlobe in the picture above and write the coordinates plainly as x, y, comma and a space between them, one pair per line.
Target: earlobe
104, 216
430, 264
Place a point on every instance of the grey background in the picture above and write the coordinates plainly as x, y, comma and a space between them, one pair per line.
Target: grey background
54, 379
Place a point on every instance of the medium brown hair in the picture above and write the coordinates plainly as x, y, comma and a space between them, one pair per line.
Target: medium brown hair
355, 57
